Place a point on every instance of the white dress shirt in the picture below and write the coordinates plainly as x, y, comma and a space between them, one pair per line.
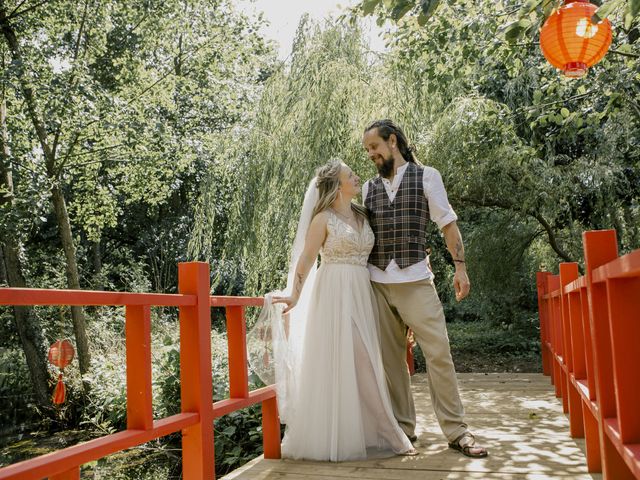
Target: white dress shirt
440, 212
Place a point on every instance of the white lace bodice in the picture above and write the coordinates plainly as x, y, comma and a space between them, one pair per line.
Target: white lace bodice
345, 244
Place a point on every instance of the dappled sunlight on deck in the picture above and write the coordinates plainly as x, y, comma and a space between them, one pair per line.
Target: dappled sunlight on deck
516, 416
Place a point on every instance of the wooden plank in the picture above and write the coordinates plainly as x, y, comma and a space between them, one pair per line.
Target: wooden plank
288, 472
237, 348
138, 345
261, 468
225, 301
224, 407
196, 392
481, 377
36, 296
625, 266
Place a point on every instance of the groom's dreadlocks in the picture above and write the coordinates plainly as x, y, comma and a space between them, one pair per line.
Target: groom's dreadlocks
385, 128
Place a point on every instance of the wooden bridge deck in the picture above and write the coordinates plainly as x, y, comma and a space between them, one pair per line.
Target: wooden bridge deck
515, 415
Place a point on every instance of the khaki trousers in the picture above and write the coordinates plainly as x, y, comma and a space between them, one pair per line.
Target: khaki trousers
416, 305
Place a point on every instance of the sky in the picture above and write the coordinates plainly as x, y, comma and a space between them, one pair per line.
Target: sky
284, 15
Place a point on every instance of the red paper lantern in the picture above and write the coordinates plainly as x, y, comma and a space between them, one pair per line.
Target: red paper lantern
60, 392
571, 42
61, 353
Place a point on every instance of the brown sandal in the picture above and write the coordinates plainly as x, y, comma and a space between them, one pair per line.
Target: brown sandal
467, 447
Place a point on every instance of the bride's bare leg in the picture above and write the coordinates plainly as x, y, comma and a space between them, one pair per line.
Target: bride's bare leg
372, 401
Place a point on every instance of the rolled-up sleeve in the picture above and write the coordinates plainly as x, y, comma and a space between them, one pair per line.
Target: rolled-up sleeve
439, 209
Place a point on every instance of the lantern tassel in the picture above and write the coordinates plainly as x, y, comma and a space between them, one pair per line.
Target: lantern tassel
60, 392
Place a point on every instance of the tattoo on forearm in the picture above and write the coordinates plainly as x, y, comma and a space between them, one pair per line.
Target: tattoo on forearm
459, 250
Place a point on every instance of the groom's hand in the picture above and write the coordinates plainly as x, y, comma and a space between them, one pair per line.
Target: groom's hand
461, 284
453, 239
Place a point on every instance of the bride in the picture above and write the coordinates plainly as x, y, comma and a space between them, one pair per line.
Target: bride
329, 377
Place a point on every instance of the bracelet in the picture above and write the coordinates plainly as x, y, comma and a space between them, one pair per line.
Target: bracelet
459, 261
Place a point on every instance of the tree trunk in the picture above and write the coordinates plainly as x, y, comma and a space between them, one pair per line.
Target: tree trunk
3, 270
73, 277
57, 195
553, 241
28, 328
96, 257
27, 324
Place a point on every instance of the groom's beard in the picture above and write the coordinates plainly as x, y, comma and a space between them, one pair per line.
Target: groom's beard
386, 167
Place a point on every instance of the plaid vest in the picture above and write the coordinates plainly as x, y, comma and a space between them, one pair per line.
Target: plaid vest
399, 226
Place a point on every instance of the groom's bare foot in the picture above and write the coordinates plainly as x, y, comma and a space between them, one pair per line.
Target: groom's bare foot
412, 438
466, 444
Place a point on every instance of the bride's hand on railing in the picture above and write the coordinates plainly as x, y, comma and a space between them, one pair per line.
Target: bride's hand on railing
290, 302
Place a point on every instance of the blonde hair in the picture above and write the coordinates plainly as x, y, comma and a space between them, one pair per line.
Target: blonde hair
328, 184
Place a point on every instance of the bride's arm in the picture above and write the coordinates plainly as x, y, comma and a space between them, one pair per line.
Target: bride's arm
315, 238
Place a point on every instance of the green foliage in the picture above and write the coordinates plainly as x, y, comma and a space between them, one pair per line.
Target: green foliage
515, 338
237, 438
531, 14
137, 99
397, 9
180, 138
16, 397
550, 143
100, 73
484, 346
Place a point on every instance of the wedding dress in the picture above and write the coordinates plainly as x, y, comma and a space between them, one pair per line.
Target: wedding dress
338, 406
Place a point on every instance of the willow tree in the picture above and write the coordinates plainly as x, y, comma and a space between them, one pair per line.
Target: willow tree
311, 110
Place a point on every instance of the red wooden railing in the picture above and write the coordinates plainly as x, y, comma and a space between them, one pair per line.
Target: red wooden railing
197, 407
590, 332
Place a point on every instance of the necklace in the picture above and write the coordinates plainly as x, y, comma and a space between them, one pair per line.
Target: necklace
352, 218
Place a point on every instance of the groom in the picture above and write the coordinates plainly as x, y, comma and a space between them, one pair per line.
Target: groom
400, 201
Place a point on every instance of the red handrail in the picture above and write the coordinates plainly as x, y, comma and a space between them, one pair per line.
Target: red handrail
197, 408
590, 335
